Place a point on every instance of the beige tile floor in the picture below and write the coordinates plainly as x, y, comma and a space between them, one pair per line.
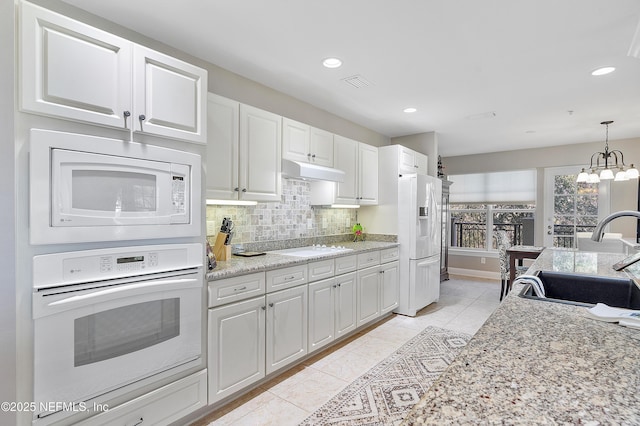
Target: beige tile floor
464, 306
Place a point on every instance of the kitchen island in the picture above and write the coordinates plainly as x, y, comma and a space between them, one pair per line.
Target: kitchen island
539, 362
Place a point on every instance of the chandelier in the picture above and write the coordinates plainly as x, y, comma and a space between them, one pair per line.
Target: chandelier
606, 163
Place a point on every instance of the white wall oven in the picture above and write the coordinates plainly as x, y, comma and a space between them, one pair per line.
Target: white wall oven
106, 319
86, 188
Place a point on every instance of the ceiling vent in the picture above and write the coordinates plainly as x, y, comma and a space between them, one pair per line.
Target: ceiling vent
357, 81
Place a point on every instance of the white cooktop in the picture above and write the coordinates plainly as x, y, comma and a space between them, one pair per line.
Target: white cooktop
312, 251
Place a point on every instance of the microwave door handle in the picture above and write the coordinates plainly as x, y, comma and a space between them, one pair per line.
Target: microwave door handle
117, 292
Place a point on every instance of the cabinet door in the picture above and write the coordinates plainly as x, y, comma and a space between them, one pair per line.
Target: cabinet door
295, 140
321, 147
345, 158
406, 160
321, 313
223, 121
286, 327
170, 96
422, 163
260, 158
74, 71
236, 343
368, 174
368, 295
389, 287
345, 304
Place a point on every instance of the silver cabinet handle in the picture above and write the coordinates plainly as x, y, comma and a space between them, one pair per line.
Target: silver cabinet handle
126, 114
309, 155
289, 278
264, 308
141, 117
271, 305
240, 289
236, 189
244, 189
313, 156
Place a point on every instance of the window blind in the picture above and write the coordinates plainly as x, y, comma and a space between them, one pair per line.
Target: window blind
518, 186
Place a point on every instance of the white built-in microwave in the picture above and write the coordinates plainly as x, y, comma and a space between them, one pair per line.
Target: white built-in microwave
89, 189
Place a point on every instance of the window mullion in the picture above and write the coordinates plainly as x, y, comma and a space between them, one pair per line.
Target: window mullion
489, 231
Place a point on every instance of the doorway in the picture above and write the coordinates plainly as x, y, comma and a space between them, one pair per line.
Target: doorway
571, 207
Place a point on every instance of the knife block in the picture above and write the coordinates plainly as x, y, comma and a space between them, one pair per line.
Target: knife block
220, 250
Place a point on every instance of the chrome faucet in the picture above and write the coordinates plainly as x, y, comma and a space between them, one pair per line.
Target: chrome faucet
598, 232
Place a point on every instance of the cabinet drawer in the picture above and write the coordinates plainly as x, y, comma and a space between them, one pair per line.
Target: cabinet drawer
286, 277
367, 259
236, 288
389, 255
321, 269
159, 407
346, 264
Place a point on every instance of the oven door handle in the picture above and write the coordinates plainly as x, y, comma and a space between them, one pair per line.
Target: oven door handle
43, 305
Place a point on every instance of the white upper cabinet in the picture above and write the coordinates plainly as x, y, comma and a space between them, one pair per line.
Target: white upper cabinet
360, 163
321, 147
260, 155
243, 152
74, 71
345, 158
367, 174
223, 125
169, 96
301, 142
409, 161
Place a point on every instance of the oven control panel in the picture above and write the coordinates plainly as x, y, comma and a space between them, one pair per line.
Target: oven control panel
58, 269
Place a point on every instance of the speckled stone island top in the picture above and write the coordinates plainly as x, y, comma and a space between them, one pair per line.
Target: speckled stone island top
245, 265
536, 362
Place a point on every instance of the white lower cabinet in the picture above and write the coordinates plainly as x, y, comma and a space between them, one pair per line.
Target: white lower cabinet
286, 327
368, 296
159, 407
389, 287
345, 304
322, 305
252, 338
236, 347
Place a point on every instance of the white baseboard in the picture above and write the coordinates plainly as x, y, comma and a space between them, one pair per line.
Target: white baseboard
491, 275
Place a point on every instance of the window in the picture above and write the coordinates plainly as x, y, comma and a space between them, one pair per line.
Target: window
484, 203
571, 207
473, 225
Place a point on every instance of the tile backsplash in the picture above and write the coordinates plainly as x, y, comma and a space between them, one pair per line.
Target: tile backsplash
292, 218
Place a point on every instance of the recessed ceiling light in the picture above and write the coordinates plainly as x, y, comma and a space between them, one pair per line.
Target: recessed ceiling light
332, 62
603, 71
409, 110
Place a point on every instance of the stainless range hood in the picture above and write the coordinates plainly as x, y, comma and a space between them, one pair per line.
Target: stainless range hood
308, 171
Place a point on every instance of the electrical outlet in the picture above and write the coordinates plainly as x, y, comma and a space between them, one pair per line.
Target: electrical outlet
347, 223
325, 223
483, 260
309, 223
211, 227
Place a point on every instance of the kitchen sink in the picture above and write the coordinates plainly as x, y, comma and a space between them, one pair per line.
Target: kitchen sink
586, 290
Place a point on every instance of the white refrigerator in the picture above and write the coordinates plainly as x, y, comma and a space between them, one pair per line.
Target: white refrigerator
419, 234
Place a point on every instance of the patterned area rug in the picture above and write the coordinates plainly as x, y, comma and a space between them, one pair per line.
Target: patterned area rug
385, 394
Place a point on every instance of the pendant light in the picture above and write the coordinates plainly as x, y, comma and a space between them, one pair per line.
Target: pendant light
606, 163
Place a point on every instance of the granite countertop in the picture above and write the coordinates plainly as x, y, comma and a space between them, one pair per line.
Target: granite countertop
246, 265
536, 362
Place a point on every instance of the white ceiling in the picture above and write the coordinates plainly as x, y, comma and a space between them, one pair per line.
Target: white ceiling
527, 61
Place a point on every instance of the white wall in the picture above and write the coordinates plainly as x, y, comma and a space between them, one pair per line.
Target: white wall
7, 213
